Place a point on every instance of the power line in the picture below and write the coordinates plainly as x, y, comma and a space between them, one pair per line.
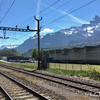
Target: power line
26, 20
7, 11
3, 4
19, 38
39, 12
45, 14
68, 13
15, 36
58, 7
48, 7
64, 15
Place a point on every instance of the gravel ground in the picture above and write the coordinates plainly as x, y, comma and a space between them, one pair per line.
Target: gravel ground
53, 90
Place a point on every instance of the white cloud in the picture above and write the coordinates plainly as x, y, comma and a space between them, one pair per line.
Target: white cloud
47, 30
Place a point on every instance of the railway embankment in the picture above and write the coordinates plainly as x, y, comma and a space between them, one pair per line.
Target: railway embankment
59, 89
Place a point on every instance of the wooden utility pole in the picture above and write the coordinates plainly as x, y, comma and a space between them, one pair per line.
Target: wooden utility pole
38, 41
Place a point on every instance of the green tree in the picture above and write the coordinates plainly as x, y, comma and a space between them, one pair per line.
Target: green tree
22, 55
9, 53
35, 53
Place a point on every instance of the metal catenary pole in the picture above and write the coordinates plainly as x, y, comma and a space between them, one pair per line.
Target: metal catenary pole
38, 42
25, 30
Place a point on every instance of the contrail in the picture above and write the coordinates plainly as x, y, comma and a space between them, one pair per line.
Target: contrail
73, 17
63, 12
59, 26
38, 7
37, 11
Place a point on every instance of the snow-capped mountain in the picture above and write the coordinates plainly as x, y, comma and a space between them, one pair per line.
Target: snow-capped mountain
75, 34
35, 36
8, 46
29, 43
88, 29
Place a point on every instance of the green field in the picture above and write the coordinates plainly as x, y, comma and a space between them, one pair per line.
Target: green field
80, 70
69, 66
58, 66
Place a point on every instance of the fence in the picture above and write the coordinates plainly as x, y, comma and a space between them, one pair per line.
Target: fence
64, 66
30, 64
69, 66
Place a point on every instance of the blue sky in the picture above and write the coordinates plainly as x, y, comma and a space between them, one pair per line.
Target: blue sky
22, 14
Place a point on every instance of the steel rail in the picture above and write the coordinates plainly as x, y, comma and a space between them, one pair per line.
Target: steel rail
5, 93
63, 83
19, 69
27, 88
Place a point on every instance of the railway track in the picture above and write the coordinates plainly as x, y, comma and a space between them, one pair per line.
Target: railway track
3, 94
94, 89
16, 90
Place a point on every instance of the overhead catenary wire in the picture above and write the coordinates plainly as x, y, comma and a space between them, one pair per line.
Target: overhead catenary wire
39, 12
36, 14
20, 37
0, 9
25, 21
15, 37
45, 14
68, 13
47, 7
63, 16
7, 11
2, 4
57, 7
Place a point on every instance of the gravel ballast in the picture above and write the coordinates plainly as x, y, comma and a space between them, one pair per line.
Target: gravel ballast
53, 90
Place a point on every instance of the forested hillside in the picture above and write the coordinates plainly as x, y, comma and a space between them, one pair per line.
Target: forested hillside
9, 53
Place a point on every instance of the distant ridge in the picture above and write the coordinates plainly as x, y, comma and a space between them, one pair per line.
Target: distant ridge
8, 47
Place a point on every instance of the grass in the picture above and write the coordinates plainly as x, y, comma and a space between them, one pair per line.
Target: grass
25, 66
90, 71
78, 73
69, 66
55, 65
21, 65
2, 62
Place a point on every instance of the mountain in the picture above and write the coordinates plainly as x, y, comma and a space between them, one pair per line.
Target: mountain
29, 43
73, 35
8, 46
9, 53
28, 53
